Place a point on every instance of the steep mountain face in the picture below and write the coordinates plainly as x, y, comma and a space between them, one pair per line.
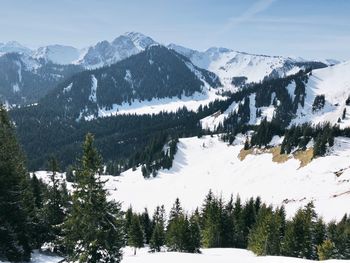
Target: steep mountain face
320, 96
106, 53
155, 73
235, 68
57, 54
23, 80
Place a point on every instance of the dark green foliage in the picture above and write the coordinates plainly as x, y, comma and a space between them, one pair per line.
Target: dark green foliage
264, 133
239, 81
16, 198
158, 235
56, 204
265, 237
318, 103
182, 234
93, 229
135, 233
146, 224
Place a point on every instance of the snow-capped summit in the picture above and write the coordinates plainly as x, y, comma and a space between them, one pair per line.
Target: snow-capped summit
140, 40
58, 54
106, 53
13, 47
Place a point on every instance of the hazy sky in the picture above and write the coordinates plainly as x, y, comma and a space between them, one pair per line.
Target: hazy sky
306, 28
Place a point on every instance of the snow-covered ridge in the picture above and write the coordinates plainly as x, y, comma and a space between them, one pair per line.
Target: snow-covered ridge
227, 63
58, 54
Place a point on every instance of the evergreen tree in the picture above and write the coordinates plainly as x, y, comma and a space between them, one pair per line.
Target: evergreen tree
146, 225
264, 238
174, 232
158, 235
135, 233
14, 218
326, 250
195, 234
93, 229
54, 208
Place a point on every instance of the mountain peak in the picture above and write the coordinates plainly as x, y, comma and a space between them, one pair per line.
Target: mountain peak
14, 46
140, 40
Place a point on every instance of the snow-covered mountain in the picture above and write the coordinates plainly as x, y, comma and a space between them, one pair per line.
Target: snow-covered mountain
14, 47
106, 53
155, 80
24, 79
58, 54
229, 64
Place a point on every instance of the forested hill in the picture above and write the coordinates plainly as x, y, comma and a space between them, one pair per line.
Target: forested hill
24, 80
155, 73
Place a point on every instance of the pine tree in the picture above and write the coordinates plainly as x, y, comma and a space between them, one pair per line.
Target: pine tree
158, 235
174, 232
146, 225
135, 233
14, 218
194, 233
93, 229
264, 238
54, 207
326, 250
238, 221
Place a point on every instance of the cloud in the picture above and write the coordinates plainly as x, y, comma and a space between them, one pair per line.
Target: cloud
249, 14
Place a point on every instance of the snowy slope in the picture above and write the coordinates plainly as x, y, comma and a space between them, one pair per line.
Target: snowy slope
227, 63
156, 106
334, 83
208, 163
58, 54
222, 255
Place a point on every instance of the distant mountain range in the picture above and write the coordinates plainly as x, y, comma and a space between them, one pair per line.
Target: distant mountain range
49, 65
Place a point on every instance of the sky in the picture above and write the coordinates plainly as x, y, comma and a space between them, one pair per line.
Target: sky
313, 29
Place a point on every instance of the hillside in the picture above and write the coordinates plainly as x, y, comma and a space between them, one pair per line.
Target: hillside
24, 80
317, 97
155, 74
206, 163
